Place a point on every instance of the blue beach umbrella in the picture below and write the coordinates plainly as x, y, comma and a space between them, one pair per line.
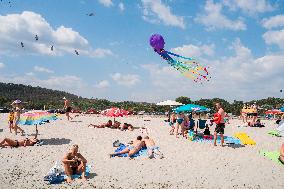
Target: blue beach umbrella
191, 107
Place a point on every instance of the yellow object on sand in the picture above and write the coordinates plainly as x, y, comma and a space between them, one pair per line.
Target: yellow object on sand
245, 139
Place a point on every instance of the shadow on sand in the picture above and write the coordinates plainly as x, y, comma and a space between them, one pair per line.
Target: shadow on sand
235, 146
56, 141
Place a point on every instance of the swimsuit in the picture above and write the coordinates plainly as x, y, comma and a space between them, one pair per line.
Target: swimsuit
220, 128
180, 120
17, 143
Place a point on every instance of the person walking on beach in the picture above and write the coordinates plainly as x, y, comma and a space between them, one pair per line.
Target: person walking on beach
67, 108
11, 120
74, 163
220, 124
17, 106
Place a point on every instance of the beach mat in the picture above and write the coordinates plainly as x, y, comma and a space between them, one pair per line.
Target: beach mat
227, 140
274, 155
274, 133
245, 139
142, 152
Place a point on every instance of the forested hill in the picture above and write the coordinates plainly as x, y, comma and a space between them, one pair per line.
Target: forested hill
34, 96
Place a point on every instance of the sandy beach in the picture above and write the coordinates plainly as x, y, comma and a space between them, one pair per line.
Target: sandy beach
186, 164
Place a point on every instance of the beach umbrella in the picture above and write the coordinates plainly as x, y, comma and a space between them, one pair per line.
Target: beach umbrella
114, 112
36, 118
274, 111
169, 103
192, 107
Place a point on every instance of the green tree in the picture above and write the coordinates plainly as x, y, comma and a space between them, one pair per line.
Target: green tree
183, 100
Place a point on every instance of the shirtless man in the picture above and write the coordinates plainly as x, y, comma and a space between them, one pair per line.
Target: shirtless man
220, 125
281, 157
74, 163
152, 148
67, 108
17, 143
131, 149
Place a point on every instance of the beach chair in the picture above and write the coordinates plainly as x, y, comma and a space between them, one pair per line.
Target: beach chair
201, 124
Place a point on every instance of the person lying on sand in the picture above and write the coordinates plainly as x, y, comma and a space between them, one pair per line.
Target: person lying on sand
17, 143
152, 148
116, 125
74, 163
127, 126
103, 125
131, 149
281, 157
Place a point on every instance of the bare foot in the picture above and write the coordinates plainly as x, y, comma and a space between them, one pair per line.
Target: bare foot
215, 144
84, 178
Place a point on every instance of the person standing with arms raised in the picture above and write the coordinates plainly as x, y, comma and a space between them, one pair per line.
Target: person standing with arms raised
67, 108
220, 124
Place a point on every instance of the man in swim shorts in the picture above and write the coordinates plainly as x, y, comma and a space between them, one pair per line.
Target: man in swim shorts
152, 148
131, 149
74, 163
220, 124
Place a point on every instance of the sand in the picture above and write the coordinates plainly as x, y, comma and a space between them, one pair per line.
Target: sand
186, 164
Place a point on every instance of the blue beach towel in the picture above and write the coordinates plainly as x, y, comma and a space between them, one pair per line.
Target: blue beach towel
227, 140
142, 152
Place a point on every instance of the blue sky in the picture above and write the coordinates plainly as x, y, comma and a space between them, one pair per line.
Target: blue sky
242, 41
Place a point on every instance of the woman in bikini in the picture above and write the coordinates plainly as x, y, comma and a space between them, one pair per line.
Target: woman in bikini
17, 106
67, 108
17, 143
180, 122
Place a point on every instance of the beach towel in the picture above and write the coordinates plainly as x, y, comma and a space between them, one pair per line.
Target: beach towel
142, 152
245, 139
274, 133
274, 155
227, 140
56, 174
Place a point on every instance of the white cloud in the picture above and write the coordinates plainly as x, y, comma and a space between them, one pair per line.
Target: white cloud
2, 65
121, 7
125, 79
42, 69
251, 7
194, 51
240, 76
102, 84
67, 83
156, 11
106, 3
213, 18
274, 37
274, 21
17, 28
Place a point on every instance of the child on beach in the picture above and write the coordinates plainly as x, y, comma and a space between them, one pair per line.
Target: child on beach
11, 120
173, 120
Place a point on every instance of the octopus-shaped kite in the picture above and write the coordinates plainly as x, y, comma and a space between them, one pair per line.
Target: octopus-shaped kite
188, 67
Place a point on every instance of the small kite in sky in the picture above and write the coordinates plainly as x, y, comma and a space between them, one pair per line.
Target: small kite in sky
36, 37
22, 44
77, 53
91, 14
51, 48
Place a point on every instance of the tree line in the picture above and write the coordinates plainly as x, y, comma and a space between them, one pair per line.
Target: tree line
38, 98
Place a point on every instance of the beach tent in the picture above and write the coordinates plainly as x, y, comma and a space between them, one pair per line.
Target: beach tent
169, 103
192, 107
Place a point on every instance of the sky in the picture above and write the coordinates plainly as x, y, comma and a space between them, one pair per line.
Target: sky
241, 41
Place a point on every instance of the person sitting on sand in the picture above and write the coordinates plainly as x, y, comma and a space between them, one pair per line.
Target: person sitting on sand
131, 149
152, 148
103, 125
127, 126
74, 163
17, 143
